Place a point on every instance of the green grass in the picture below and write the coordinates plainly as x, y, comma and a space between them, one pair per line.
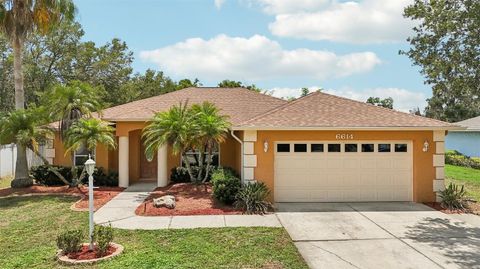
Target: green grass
29, 226
464, 176
5, 182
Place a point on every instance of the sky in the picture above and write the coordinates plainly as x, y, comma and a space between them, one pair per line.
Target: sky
346, 47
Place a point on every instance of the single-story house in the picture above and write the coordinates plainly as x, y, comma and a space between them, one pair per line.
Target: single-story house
466, 141
318, 148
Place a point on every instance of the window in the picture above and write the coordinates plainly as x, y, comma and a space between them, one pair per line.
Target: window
367, 147
300, 147
333, 147
193, 157
80, 156
283, 147
316, 148
384, 148
351, 147
400, 147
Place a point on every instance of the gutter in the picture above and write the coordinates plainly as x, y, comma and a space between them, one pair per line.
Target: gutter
241, 155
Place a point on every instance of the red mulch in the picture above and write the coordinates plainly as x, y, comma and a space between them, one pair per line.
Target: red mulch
438, 206
101, 195
190, 199
86, 254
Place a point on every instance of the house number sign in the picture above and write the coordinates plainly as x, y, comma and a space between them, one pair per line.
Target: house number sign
344, 136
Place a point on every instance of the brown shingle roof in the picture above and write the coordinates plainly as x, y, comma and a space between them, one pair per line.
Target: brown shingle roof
321, 110
239, 103
472, 124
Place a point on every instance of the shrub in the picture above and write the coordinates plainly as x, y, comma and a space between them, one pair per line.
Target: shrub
100, 178
44, 176
225, 185
103, 236
180, 174
453, 197
70, 241
454, 157
252, 198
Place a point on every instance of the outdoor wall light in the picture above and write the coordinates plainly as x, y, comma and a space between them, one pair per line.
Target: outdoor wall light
265, 146
426, 145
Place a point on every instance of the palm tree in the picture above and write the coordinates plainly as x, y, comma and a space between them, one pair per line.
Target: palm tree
26, 128
89, 133
18, 18
212, 129
72, 102
175, 127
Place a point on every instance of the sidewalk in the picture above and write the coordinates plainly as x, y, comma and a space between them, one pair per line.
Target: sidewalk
120, 212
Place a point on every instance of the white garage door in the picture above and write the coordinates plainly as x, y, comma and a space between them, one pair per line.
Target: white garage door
343, 172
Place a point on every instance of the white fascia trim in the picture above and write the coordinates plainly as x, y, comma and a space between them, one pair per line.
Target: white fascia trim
348, 128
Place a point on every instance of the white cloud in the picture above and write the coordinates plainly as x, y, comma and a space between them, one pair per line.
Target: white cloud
366, 21
403, 100
254, 58
219, 3
288, 6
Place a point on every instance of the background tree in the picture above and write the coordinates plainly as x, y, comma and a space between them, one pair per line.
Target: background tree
446, 46
187, 83
387, 102
305, 92
19, 18
237, 84
146, 85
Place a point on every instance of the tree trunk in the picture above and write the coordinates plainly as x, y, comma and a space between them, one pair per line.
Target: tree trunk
200, 165
209, 161
22, 179
18, 73
187, 165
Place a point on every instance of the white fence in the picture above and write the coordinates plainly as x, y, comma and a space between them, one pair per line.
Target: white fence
8, 157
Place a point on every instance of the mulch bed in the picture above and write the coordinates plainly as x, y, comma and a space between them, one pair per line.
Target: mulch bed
86, 254
472, 208
190, 199
101, 195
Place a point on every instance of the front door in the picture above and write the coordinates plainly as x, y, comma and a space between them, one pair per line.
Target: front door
148, 170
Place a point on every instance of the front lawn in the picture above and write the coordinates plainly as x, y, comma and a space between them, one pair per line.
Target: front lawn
464, 176
29, 225
5, 182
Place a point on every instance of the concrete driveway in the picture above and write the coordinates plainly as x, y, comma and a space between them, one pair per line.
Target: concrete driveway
380, 235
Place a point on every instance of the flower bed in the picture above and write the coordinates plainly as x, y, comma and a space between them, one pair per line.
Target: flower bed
191, 199
85, 256
101, 195
471, 208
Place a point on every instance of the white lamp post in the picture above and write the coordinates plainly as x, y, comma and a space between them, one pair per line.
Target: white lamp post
90, 167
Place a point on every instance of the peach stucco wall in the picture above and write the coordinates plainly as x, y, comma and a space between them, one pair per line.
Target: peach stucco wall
423, 170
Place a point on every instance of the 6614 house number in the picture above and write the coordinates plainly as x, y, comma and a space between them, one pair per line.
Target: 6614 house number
344, 136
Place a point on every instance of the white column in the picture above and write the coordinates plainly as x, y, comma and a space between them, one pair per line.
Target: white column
123, 161
162, 168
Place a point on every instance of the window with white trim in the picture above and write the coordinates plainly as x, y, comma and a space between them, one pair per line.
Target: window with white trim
80, 156
193, 157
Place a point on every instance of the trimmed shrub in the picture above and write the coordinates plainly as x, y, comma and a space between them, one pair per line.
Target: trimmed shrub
453, 197
70, 241
454, 157
252, 198
44, 176
103, 236
100, 178
225, 185
180, 174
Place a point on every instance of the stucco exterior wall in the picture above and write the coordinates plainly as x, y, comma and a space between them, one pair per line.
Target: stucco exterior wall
467, 143
423, 169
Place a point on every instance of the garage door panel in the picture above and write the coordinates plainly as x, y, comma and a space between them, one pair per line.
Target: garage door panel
344, 176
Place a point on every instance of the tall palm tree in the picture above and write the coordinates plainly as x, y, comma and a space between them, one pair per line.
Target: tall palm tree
18, 18
89, 133
26, 128
69, 103
212, 129
175, 127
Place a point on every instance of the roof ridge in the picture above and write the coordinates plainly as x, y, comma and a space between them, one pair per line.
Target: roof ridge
386, 109
288, 103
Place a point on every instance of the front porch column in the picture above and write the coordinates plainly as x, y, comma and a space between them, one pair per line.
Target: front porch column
162, 168
123, 161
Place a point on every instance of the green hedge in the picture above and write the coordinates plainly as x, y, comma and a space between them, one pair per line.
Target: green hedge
225, 185
44, 176
454, 157
180, 174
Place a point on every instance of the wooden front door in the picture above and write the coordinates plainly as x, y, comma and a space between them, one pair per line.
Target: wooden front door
148, 170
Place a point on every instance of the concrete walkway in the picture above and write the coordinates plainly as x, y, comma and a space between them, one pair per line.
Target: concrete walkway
120, 212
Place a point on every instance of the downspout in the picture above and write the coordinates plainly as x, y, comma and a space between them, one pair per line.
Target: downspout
241, 156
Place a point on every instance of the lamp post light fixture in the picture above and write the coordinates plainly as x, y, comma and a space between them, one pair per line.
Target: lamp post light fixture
90, 167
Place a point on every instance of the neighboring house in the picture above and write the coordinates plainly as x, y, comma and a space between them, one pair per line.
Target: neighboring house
466, 141
319, 148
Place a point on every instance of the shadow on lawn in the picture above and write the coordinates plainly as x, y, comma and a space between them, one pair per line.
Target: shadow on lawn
457, 241
16, 201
